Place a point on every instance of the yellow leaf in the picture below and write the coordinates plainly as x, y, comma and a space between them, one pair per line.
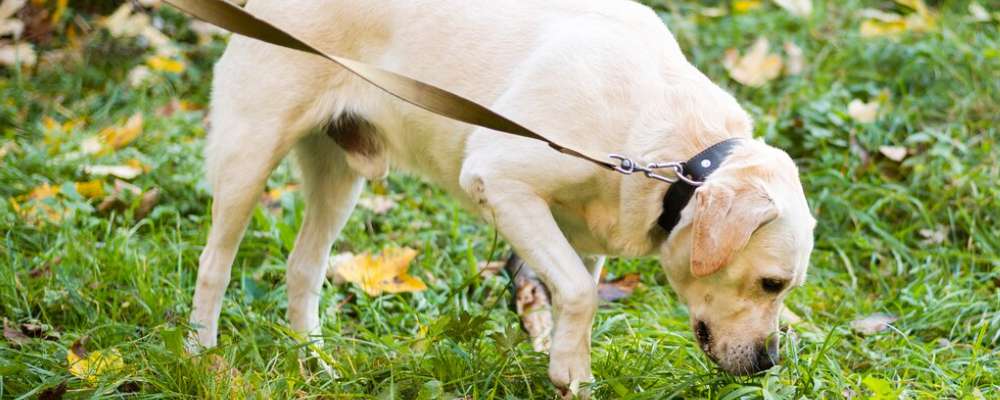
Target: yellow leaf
118, 137
43, 192
873, 28
384, 273
58, 13
95, 364
742, 6
164, 64
756, 67
90, 189
49, 123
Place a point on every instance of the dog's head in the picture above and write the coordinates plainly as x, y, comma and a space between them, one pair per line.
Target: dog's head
742, 244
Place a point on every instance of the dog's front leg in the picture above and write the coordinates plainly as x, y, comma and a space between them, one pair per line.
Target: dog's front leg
524, 219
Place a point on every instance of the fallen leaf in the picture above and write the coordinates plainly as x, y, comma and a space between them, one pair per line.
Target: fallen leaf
14, 335
978, 12
531, 301
90, 189
798, 8
118, 199
120, 171
618, 289
378, 204
863, 112
43, 191
91, 366
165, 64
11, 26
149, 201
384, 273
140, 75
873, 324
120, 136
335, 262
756, 68
17, 54
894, 153
934, 236
881, 23
796, 59
124, 23
743, 6
54, 392
177, 105
489, 269
45, 268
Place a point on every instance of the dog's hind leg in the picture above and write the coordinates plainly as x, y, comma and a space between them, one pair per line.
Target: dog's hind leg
331, 189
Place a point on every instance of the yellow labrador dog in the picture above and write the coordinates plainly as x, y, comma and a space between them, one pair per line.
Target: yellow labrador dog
602, 75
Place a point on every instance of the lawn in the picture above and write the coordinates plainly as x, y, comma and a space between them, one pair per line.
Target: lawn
908, 207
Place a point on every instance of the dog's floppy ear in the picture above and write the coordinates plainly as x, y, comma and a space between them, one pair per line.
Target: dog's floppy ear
724, 219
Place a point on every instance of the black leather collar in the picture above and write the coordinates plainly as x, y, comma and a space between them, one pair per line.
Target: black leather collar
698, 168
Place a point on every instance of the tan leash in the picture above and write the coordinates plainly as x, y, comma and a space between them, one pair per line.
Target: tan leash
426, 96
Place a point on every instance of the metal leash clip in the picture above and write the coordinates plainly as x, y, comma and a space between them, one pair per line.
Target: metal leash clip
628, 167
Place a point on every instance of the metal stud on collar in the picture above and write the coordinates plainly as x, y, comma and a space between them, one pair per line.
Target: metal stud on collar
628, 167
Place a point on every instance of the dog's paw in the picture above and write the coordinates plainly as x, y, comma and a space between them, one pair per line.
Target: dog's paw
570, 373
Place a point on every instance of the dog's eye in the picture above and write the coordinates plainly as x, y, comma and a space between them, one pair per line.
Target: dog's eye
772, 285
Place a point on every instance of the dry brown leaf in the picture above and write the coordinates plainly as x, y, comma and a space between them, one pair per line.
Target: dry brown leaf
489, 269
756, 67
618, 289
386, 272
873, 324
149, 201
894, 153
863, 112
14, 335
54, 392
531, 301
798, 8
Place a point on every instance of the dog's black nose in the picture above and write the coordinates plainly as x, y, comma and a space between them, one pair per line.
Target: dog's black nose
702, 333
767, 354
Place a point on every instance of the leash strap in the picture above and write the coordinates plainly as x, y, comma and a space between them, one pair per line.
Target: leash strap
695, 170
417, 93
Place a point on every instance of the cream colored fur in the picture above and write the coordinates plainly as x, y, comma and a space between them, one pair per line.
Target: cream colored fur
605, 76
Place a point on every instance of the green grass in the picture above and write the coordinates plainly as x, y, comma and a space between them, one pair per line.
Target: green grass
127, 283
